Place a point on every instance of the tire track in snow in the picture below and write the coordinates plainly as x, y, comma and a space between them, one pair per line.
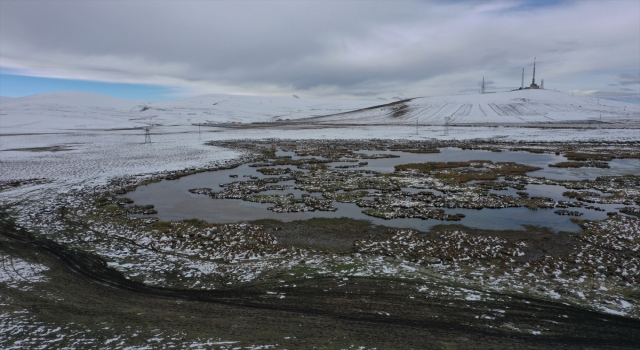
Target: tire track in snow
418, 113
428, 118
482, 110
494, 110
438, 111
504, 114
454, 117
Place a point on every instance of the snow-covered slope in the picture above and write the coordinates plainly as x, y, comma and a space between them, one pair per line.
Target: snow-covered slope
81, 110
248, 109
56, 111
525, 106
63, 111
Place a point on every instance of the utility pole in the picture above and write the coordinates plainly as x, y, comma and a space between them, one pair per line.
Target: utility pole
482, 90
416, 125
199, 132
446, 125
522, 82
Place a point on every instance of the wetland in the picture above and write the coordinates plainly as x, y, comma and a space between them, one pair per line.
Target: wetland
405, 188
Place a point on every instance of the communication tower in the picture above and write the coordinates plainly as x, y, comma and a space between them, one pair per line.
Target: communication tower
533, 81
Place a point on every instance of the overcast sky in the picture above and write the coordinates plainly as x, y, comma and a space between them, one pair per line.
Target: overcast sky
327, 48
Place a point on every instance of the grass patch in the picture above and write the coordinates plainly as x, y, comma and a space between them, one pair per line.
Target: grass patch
429, 167
567, 165
478, 170
578, 156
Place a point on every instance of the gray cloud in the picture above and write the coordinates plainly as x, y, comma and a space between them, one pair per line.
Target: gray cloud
629, 78
318, 47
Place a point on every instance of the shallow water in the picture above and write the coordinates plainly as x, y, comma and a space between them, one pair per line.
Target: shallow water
173, 201
386, 165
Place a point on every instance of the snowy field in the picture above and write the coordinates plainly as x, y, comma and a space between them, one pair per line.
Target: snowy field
525, 106
67, 111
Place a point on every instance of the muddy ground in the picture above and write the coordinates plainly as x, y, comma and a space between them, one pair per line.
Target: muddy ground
93, 304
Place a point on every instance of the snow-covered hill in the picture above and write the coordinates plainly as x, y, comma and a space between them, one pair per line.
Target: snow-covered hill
74, 110
248, 109
524, 106
66, 110
63, 111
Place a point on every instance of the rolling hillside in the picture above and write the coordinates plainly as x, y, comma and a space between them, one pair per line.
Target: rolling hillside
63, 111
526, 106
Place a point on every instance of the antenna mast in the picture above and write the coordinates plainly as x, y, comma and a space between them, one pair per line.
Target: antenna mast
533, 82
